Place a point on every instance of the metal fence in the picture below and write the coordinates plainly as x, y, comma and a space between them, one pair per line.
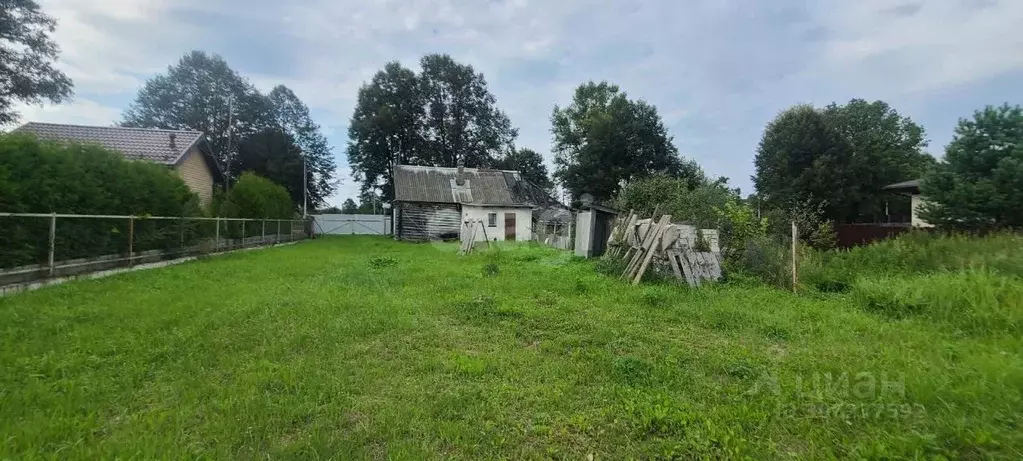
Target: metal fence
556, 233
37, 246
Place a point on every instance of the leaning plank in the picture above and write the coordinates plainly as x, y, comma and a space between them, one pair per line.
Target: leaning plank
687, 268
643, 249
673, 260
661, 225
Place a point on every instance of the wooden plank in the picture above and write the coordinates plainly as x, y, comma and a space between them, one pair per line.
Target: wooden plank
641, 251
673, 260
650, 248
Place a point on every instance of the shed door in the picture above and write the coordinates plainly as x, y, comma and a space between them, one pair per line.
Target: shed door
509, 227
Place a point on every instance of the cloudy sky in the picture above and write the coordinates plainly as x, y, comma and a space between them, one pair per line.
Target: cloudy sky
718, 70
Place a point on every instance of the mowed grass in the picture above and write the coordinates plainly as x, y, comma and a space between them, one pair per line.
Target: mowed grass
367, 348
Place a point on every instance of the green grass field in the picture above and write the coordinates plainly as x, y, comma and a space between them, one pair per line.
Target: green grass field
367, 348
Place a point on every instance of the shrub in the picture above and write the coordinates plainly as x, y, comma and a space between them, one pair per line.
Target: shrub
52, 177
256, 197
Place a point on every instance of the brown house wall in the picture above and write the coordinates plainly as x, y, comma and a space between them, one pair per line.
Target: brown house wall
196, 173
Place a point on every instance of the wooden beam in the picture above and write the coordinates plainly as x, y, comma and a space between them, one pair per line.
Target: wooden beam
661, 225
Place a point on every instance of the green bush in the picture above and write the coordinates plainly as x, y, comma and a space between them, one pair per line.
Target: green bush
51, 177
256, 197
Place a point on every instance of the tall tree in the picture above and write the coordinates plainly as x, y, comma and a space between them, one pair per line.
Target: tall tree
273, 154
201, 92
604, 139
979, 183
349, 207
386, 129
530, 164
27, 54
462, 120
434, 118
838, 158
292, 116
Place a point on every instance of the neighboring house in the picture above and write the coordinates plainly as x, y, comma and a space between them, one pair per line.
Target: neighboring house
911, 189
188, 153
433, 203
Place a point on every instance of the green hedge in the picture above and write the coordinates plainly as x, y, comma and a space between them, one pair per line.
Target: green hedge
50, 177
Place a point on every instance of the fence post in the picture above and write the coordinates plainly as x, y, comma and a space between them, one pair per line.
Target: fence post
262, 237
795, 241
131, 240
216, 239
181, 237
278, 231
243, 234
53, 238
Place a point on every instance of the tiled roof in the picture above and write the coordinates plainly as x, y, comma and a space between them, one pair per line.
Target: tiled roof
435, 184
135, 143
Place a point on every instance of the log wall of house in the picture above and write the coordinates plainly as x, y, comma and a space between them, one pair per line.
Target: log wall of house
419, 221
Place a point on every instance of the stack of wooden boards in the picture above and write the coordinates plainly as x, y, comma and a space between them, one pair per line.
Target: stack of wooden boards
639, 242
472, 229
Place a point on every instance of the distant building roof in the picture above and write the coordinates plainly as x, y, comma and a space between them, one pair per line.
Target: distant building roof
161, 146
912, 187
481, 187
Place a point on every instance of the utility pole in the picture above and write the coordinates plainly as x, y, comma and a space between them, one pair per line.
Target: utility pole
305, 187
230, 131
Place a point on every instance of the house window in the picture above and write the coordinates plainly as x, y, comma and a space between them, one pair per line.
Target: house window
491, 219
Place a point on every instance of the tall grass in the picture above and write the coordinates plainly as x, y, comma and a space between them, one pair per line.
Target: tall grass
913, 253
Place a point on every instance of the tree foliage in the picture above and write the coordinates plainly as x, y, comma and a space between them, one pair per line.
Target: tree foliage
201, 92
349, 207
690, 200
838, 157
530, 164
603, 138
274, 155
432, 118
291, 115
27, 53
979, 183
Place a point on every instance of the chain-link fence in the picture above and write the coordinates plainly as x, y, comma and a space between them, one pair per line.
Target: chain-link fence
36, 246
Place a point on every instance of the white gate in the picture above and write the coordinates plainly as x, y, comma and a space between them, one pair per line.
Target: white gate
348, 224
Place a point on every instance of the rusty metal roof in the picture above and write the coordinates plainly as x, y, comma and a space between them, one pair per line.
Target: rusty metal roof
439, 185
134, 143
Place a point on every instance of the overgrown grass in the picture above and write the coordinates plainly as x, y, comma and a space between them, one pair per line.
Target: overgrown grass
367, 348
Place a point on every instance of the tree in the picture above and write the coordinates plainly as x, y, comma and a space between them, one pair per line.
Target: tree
349, 207
838, 158
603, 138
979, 183
274, 155
385, 130
292, 116
443, 114
530, 164
462, 120
27, 53
203, 93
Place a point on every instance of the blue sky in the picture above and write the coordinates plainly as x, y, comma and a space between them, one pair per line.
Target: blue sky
718, 71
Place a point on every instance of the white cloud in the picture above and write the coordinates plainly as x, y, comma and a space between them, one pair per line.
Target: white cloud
80, 112
919, 46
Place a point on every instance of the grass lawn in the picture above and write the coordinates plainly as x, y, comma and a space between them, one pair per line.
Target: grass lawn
367, 348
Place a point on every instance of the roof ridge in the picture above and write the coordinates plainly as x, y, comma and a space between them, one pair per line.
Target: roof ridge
76, 125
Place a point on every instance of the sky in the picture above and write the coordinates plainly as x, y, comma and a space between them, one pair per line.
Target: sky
717, 70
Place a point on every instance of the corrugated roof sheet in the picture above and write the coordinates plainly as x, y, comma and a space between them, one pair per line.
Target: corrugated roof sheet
135, 143
905, 185
434, 184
